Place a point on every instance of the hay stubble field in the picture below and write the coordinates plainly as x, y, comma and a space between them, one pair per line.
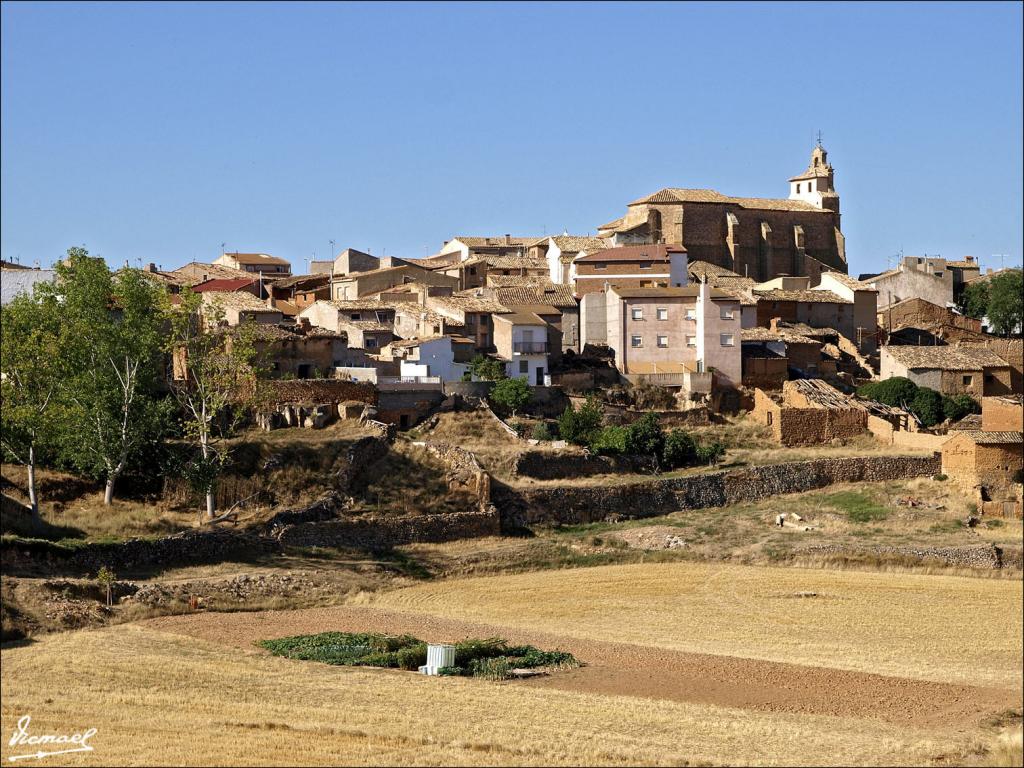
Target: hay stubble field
687, 664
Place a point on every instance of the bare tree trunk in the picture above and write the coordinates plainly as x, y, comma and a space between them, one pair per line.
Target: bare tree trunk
32, 497
211, 506
108, 493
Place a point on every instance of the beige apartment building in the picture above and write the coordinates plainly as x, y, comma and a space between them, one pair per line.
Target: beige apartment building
664, 334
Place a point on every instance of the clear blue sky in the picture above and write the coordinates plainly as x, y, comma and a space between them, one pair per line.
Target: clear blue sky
156, 132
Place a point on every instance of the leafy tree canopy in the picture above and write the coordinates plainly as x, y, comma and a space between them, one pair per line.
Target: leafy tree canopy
511, 394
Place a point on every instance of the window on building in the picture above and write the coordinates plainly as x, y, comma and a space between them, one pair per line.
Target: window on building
354, 316
600, 266
798, 188
663, 341
371, 343
524, 366
645, 266
636, 341
727, 313
647, 284
691, 341
810, 186
691, 314
638, 313
728, 340
662, 313
968, 381
769, 414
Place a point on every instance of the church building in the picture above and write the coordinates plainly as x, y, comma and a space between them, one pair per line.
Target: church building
760, 238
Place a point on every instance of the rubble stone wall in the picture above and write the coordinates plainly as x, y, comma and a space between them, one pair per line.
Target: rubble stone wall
385, 532
521, 507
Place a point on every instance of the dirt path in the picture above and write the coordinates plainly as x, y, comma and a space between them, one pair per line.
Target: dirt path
621, 669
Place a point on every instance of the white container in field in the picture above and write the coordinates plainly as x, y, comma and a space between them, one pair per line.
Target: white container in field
438, 656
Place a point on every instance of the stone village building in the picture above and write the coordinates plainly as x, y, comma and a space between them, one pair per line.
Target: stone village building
951, 370
759, 238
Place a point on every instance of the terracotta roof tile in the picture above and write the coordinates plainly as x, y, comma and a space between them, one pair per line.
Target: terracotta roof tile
809, 296
946, 358
993, 438
678, 195
659, 252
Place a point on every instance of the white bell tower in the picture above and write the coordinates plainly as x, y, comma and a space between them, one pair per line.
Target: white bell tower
816, 184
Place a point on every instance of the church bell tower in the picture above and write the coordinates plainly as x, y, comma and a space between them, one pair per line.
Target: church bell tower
816, 185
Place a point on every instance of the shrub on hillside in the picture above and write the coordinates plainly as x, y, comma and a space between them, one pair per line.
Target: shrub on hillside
541, 431
710, 453
645, 437
581, 425
680, 449
610, 441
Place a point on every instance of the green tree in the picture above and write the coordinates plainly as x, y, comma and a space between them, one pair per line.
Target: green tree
215, 384
487, 368
927, 406
1006, 302
581, 425
709, 453
111, 349
30, 382
974, 299
897, 391
610, 441
511, 394
956, 407
646, 437
680, 449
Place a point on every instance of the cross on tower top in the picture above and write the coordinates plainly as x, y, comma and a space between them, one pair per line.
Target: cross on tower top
819, 138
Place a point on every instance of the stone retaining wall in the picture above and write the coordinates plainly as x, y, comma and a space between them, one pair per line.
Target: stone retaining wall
586, 504
136, 556
558, 465
987, 556
378, 533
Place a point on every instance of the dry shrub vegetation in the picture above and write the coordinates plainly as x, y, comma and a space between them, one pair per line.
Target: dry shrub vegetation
165, 699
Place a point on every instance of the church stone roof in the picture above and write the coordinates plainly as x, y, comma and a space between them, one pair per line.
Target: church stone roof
678, 195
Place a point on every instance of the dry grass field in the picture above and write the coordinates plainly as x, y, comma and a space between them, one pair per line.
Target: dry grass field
166, 699
876, 669
942, 628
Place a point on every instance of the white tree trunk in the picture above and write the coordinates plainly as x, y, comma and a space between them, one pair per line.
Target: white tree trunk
108, 492
32, 497
211, 506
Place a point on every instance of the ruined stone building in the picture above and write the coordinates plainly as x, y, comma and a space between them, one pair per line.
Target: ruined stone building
759, 238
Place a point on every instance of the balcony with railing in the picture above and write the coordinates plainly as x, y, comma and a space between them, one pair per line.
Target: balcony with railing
530, 347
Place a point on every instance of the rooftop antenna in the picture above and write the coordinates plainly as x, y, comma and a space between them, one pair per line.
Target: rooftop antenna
332, 248
819, 137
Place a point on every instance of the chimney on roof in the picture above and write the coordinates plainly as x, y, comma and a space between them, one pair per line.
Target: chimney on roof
969, 259
303, 324
151, 267
773, 324
508, 239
